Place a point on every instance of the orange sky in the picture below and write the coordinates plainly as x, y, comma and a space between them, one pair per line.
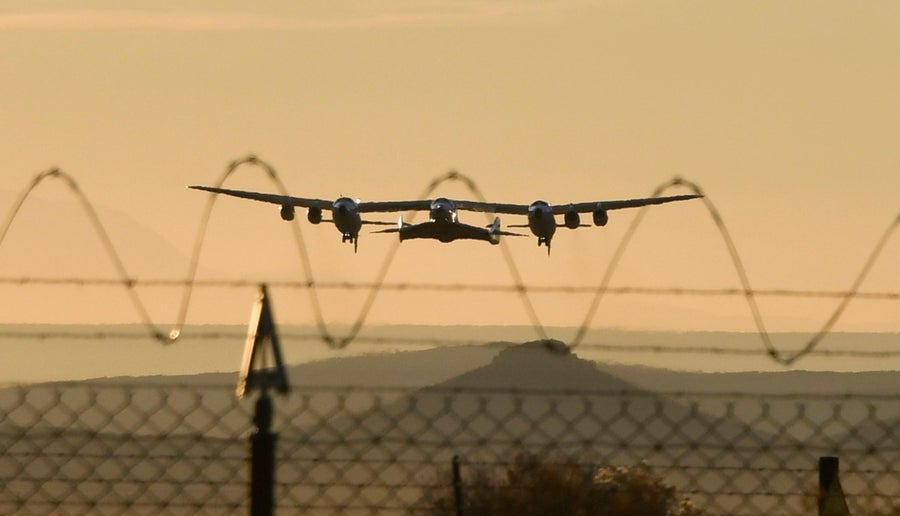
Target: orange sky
786, 113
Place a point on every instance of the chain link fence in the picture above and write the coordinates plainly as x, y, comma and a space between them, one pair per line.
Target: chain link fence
103, 447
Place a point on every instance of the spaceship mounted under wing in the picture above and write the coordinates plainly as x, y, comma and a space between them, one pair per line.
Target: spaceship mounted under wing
443, 223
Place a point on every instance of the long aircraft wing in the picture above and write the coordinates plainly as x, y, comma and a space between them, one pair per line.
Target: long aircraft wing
580, 207
284, 200
389, 206
325, 204
424, 204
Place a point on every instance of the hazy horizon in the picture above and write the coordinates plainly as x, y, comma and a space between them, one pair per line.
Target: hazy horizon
130, 352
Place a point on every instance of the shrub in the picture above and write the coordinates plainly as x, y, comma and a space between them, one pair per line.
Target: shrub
536, 486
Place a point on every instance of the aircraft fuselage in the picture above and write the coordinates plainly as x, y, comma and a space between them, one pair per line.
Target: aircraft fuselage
443, 210
346, 218
541, 222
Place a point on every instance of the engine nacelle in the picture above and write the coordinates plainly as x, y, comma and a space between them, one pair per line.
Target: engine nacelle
287, 212
314, 214
572, 219
600, 217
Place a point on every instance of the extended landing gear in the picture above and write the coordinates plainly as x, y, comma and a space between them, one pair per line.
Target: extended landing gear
545, 241
354, 239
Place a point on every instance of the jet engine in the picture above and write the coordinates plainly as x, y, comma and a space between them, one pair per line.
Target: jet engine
287, 212
600, 217
572, 219
314, 214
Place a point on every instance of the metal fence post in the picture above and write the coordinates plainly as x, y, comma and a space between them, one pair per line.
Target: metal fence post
255, 373
457, 486
262, 459
831, 495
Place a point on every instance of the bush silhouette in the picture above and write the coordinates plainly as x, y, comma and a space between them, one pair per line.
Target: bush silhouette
534, 485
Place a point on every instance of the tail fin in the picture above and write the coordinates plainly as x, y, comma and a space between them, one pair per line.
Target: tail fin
400, 225
494, 231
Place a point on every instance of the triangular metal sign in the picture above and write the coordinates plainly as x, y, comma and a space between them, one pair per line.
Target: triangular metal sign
262, 343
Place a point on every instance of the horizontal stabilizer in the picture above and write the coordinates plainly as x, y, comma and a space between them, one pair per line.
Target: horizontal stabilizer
397, 226
378, 223
506, 233
494, 228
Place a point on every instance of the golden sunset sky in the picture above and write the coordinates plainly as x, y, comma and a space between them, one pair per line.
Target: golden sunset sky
787, 114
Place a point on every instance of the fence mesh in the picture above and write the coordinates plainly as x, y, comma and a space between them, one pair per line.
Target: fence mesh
109, 448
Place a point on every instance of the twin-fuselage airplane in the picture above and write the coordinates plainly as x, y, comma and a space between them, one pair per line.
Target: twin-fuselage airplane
443, 223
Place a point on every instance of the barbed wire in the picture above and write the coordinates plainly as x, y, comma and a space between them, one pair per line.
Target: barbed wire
446, 287
517, 286
94, 220
773, 352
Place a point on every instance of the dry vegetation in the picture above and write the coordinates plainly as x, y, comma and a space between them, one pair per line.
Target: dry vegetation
540, 486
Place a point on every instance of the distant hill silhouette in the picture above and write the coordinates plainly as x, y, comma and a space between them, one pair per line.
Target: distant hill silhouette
456, 382
530, 398
545, 365
410, 369
784, 382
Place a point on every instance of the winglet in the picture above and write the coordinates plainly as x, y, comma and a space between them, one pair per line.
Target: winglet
494, 231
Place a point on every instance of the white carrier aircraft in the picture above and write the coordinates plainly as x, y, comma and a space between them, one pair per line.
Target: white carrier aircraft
443, 224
